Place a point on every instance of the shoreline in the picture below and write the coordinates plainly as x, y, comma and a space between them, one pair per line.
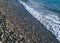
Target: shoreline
37, 20
31, 26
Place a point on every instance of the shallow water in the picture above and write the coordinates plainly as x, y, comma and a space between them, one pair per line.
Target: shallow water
47, 12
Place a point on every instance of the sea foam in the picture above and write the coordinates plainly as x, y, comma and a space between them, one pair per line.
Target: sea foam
50, 21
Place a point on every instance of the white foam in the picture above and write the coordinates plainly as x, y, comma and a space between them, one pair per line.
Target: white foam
50, 21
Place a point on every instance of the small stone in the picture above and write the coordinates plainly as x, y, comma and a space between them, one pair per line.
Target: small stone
0, 12
0, 42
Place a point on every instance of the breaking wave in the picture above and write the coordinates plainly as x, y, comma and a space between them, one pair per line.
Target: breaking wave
49, 19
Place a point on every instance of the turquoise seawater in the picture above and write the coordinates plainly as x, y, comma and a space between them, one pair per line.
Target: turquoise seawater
54, 4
